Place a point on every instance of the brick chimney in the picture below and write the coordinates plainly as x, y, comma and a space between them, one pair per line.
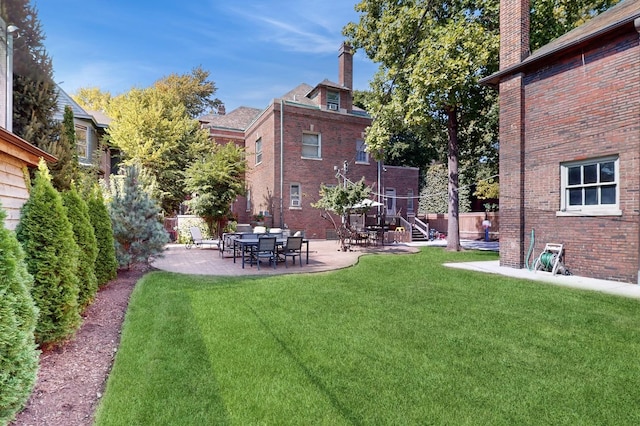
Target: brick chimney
514, 47
345, 66
514, 32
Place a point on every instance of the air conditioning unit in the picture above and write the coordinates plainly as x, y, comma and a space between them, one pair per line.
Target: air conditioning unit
295, 202
333, 107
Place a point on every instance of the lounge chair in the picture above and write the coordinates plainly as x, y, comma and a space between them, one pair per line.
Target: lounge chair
198, 241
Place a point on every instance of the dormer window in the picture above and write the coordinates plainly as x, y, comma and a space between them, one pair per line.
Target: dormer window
333, 101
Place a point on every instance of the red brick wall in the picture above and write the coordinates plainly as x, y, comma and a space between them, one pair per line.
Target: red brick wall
514, 32
584, 107
339, 133
514, 46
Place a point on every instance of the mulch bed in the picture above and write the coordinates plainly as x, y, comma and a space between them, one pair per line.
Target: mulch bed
72, 376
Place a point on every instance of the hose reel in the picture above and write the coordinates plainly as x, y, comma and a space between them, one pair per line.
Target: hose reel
550, 260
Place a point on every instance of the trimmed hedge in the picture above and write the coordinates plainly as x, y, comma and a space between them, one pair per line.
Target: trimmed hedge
18, 315
85, 238
106, 265
51, 254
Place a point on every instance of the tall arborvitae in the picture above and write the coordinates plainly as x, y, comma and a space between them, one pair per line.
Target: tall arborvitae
106, 265
51, 254
66, 169
78, 214
35, 96
18, 314
137, 230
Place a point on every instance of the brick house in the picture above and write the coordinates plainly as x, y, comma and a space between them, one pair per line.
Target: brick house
296, 144
570, 142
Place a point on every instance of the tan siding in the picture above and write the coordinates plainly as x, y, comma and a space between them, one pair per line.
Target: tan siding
13, 190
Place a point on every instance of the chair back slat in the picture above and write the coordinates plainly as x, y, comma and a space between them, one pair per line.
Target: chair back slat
293, 243
266, 244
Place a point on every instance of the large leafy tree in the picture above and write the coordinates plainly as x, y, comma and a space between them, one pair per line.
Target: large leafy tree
552, 18
35, 93
152, 128
217, 178
431, 57
92, 98
194, 90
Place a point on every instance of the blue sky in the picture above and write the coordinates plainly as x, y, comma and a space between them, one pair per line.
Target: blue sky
255, 51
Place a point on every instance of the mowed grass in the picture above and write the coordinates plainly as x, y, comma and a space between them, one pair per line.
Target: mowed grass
397, 339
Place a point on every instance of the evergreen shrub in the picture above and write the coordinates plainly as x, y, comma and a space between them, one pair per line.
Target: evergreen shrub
106, 265
137, 229
51, 255
85, 238
18, 315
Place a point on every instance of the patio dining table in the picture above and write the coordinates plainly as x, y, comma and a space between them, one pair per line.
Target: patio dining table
242, 245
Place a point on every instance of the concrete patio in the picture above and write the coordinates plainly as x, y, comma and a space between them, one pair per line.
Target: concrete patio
324, 255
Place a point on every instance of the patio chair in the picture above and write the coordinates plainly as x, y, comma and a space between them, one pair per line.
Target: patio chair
260, 229
243, 227
198, 241
266, 249
226, 244
275, 232
292, 248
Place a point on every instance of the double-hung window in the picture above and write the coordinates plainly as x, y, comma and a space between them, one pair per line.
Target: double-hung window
362, 156
590, 187
295, 195
311, 145
333, 100
259, 151
82, 142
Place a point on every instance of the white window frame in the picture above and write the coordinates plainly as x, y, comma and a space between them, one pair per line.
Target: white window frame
82, 145
362, 156
258, 151
295, 196
318, 146
333, 100
584, 209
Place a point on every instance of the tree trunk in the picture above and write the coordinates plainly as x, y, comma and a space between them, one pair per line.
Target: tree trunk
453, 231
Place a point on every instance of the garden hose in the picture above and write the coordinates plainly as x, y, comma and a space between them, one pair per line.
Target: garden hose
547, 259
531, 244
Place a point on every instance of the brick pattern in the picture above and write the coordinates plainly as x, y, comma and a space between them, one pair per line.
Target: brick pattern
514, 32
583, 106
338, 133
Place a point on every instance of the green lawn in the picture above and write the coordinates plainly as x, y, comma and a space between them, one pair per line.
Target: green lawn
397, 339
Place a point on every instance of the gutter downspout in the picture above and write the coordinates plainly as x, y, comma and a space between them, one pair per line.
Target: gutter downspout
281, 163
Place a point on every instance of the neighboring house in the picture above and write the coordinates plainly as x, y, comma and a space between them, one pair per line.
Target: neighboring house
570, 142
16, 156
299, 142
90, 128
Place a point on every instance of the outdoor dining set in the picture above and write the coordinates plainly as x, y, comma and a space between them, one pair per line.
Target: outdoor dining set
254, 245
